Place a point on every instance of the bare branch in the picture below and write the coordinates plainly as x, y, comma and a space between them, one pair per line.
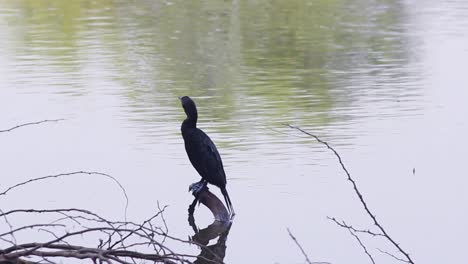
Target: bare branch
72, 174
141, 237
58, 247
358, 193
391, 255
362, 245
302, 250
10, 226
59, 211
31, 123
140, 227
344, 225
30, 227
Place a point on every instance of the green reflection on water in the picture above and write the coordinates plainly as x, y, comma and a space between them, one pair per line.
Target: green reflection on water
282, 60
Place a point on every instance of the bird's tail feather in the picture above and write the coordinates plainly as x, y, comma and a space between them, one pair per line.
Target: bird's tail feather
228, 200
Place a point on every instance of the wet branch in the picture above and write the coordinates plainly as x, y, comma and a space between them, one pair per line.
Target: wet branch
383, 232
211, 201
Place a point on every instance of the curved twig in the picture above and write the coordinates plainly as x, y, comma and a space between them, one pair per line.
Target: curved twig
71, 174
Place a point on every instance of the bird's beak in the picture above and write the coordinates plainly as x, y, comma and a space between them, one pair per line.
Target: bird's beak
180, 97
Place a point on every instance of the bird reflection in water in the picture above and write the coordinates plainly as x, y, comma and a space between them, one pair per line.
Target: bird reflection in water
218, 229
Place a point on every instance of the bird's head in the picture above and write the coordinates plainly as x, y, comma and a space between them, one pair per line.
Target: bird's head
189, 107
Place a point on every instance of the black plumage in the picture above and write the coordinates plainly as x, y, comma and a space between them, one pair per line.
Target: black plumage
202, 152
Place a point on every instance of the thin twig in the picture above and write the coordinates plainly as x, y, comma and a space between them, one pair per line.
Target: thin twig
299, 246
72, 174
140, 227
30, 227
10, 226
391, 255
354, 229
362, 245
31, 123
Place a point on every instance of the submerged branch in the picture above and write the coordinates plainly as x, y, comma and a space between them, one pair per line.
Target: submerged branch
211, 201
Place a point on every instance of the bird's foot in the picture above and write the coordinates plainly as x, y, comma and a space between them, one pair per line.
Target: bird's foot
196, 187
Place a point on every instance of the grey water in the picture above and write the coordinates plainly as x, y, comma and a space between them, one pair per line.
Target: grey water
384, 82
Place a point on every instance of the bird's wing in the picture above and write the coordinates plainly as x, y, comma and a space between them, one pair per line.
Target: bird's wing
212, 163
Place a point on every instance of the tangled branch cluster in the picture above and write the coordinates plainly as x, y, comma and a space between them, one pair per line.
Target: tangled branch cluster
116, 241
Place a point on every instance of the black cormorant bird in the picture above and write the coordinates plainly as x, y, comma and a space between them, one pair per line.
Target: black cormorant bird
202, 152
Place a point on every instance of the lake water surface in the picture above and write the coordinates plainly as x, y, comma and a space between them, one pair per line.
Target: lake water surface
384, 82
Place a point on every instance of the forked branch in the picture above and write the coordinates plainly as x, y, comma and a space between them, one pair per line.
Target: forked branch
379, 226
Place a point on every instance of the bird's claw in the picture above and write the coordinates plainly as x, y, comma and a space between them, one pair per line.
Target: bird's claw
196, 187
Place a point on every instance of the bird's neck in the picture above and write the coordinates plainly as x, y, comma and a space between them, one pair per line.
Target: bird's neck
189, 123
